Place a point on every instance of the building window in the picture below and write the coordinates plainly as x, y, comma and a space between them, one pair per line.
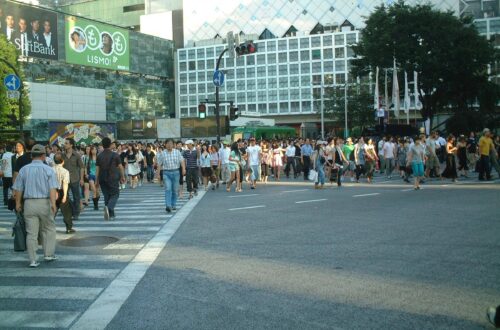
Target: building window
316, 42
262, 96
191, 54
328, 79
182, 55
210, 52
284, 107
316, 67
201, 88
283, 70
294, 94
201, 75
304, 55
294, 56
305, 80
306, 106
294, 81
200, 53
261, 83
201, 65
316, 54
272, 83
339, 40
316, 79
271, 58
251, 84
295, 106
271, 46
327, 41
261, 71
293, 44
273, 95
282, 45
305, 93
282, 57
339, 53
340, 65
184, 112
183, 78
184, 101
240, 73
261, 59
271, 70
183, 89
251, 97
351, 38
304, 43
305, 68
340, 78
328, 66
192, 77
283, 82
182, 66
327, 53
241, 97
251, 107
262, 108
250, 59
240, 61
350, 52
273, 107
251, 72
210, 64
192, 89
294, 69
240, 85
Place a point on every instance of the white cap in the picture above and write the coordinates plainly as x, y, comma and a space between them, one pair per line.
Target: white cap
189, 142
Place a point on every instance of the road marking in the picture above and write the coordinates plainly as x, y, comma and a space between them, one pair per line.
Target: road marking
104, 309
248, 195
292, 191
408, 189
49, 292
247, 208
311, 201
124, 246
84, 221
110, 228
73, 257
59, 272
363, 195
37, 319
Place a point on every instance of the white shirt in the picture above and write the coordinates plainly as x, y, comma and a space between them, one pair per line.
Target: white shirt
290, 151
47, 37
441, 141
253, 155
381, 147
224, 155
7, 164
388, 150
9, 33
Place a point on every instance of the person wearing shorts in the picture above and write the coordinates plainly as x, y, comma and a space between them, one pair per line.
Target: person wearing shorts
416, 158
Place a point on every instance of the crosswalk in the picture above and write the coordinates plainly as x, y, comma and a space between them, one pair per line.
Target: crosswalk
55, 294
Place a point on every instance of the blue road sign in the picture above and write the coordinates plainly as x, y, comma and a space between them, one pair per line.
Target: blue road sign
12, 82
218, 78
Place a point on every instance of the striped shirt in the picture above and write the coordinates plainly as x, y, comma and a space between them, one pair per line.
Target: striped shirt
191, 157
170, 160
35, 180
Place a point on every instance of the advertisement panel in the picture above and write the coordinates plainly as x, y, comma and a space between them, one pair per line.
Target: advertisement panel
88, 133
136, 129
32, 30
94, 44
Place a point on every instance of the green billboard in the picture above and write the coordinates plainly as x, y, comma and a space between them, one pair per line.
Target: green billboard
93, 44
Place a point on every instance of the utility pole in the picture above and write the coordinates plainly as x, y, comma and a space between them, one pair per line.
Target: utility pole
217, 101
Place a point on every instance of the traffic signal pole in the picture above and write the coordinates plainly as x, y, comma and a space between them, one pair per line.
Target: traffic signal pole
217, 101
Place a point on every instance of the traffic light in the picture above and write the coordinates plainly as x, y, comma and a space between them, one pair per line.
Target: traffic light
233, 113
245, 48
202, 111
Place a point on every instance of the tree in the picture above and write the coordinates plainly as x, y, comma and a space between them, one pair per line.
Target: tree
360, 113
9, 108
449, 55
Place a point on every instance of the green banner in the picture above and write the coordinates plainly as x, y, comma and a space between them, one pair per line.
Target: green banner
93, 44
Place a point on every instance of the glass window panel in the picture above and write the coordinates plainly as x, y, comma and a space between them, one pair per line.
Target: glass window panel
271, 70
240, 85
201, 65
240, 73
271, 58
283, 82
282, 57
182, 55
294, 69
192, 76
182, 66
271, 46
261, 83
261, 71
284, 107
229, 62
192, 88
293, 44
273, 107
241, 97
340, 78
200, 53
294, 56
304, 43
350, 52
294, 94
328, 66
327, 41
230, 85
305, 68
305, 80
184, 112
210, 52
282, 45
184, 101
260, 46
328, 53
252, 108
283, 69
305, 55
201, 88
329, 79
251, 72
210, 64
272, 95
272, 82
351, 38
240, 61
295, 106
261, 59
306, 106
250, 84
218, 50
316, 67
262, 96
316, 79
183, 78
315, 41
294, 81
316, 54
250, 59
340, 65
251, 97
305, 93
191, 54
201, 75
263, 108
339, 52
183, 89
339, 39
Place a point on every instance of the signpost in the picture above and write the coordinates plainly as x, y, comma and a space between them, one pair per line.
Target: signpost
12, 82
218, 78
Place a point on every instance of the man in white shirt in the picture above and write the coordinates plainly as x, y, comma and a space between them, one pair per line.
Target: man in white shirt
254, 157
9, 27
290, 160
224, 153
6, 166
388, 151
380, 148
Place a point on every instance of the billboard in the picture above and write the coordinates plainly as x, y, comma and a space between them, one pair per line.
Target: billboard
136, 129
32, 30
88, 133
94, 44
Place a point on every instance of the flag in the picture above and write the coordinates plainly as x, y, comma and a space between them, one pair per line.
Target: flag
386, 91
376, 95
407, 100
395, 90
418, 104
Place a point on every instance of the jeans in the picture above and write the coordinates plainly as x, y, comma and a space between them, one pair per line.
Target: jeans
74, 187
255, 172
225, 173
484, 167
192, 179
321, 174
150, 173
389, 166
111, 193
171, 180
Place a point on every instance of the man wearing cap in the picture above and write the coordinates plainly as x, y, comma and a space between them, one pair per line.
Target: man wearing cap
170, 162
36, 185
485, 147
191, 156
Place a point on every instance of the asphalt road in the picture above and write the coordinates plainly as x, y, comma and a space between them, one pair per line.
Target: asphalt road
363, 256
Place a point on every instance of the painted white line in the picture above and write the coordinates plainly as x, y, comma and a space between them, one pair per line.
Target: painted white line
60, 272
363, 195
104, 309
246, 208
73, 257
49, 292
248, 195
124, 246
292, 191
83, 221
105, 228
37, 319
311, 201
408, 189
7, 223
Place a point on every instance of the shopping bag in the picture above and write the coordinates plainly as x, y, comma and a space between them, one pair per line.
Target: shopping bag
313, 175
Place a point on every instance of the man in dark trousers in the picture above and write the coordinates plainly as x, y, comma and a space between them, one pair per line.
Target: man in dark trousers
109, 173
73, 163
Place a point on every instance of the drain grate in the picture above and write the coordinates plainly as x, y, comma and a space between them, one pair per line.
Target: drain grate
89, 241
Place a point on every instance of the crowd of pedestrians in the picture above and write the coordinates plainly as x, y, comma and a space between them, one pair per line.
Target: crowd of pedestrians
38, 180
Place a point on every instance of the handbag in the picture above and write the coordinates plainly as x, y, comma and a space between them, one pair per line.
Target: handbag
313, 175
19, 233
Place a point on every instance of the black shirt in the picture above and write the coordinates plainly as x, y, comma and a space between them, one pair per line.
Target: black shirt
22, 161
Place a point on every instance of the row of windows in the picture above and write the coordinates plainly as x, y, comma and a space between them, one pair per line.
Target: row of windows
285, 44
265, 83
270, 72
261, 108
271, 58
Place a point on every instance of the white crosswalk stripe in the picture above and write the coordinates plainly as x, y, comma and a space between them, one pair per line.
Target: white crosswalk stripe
140, 213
